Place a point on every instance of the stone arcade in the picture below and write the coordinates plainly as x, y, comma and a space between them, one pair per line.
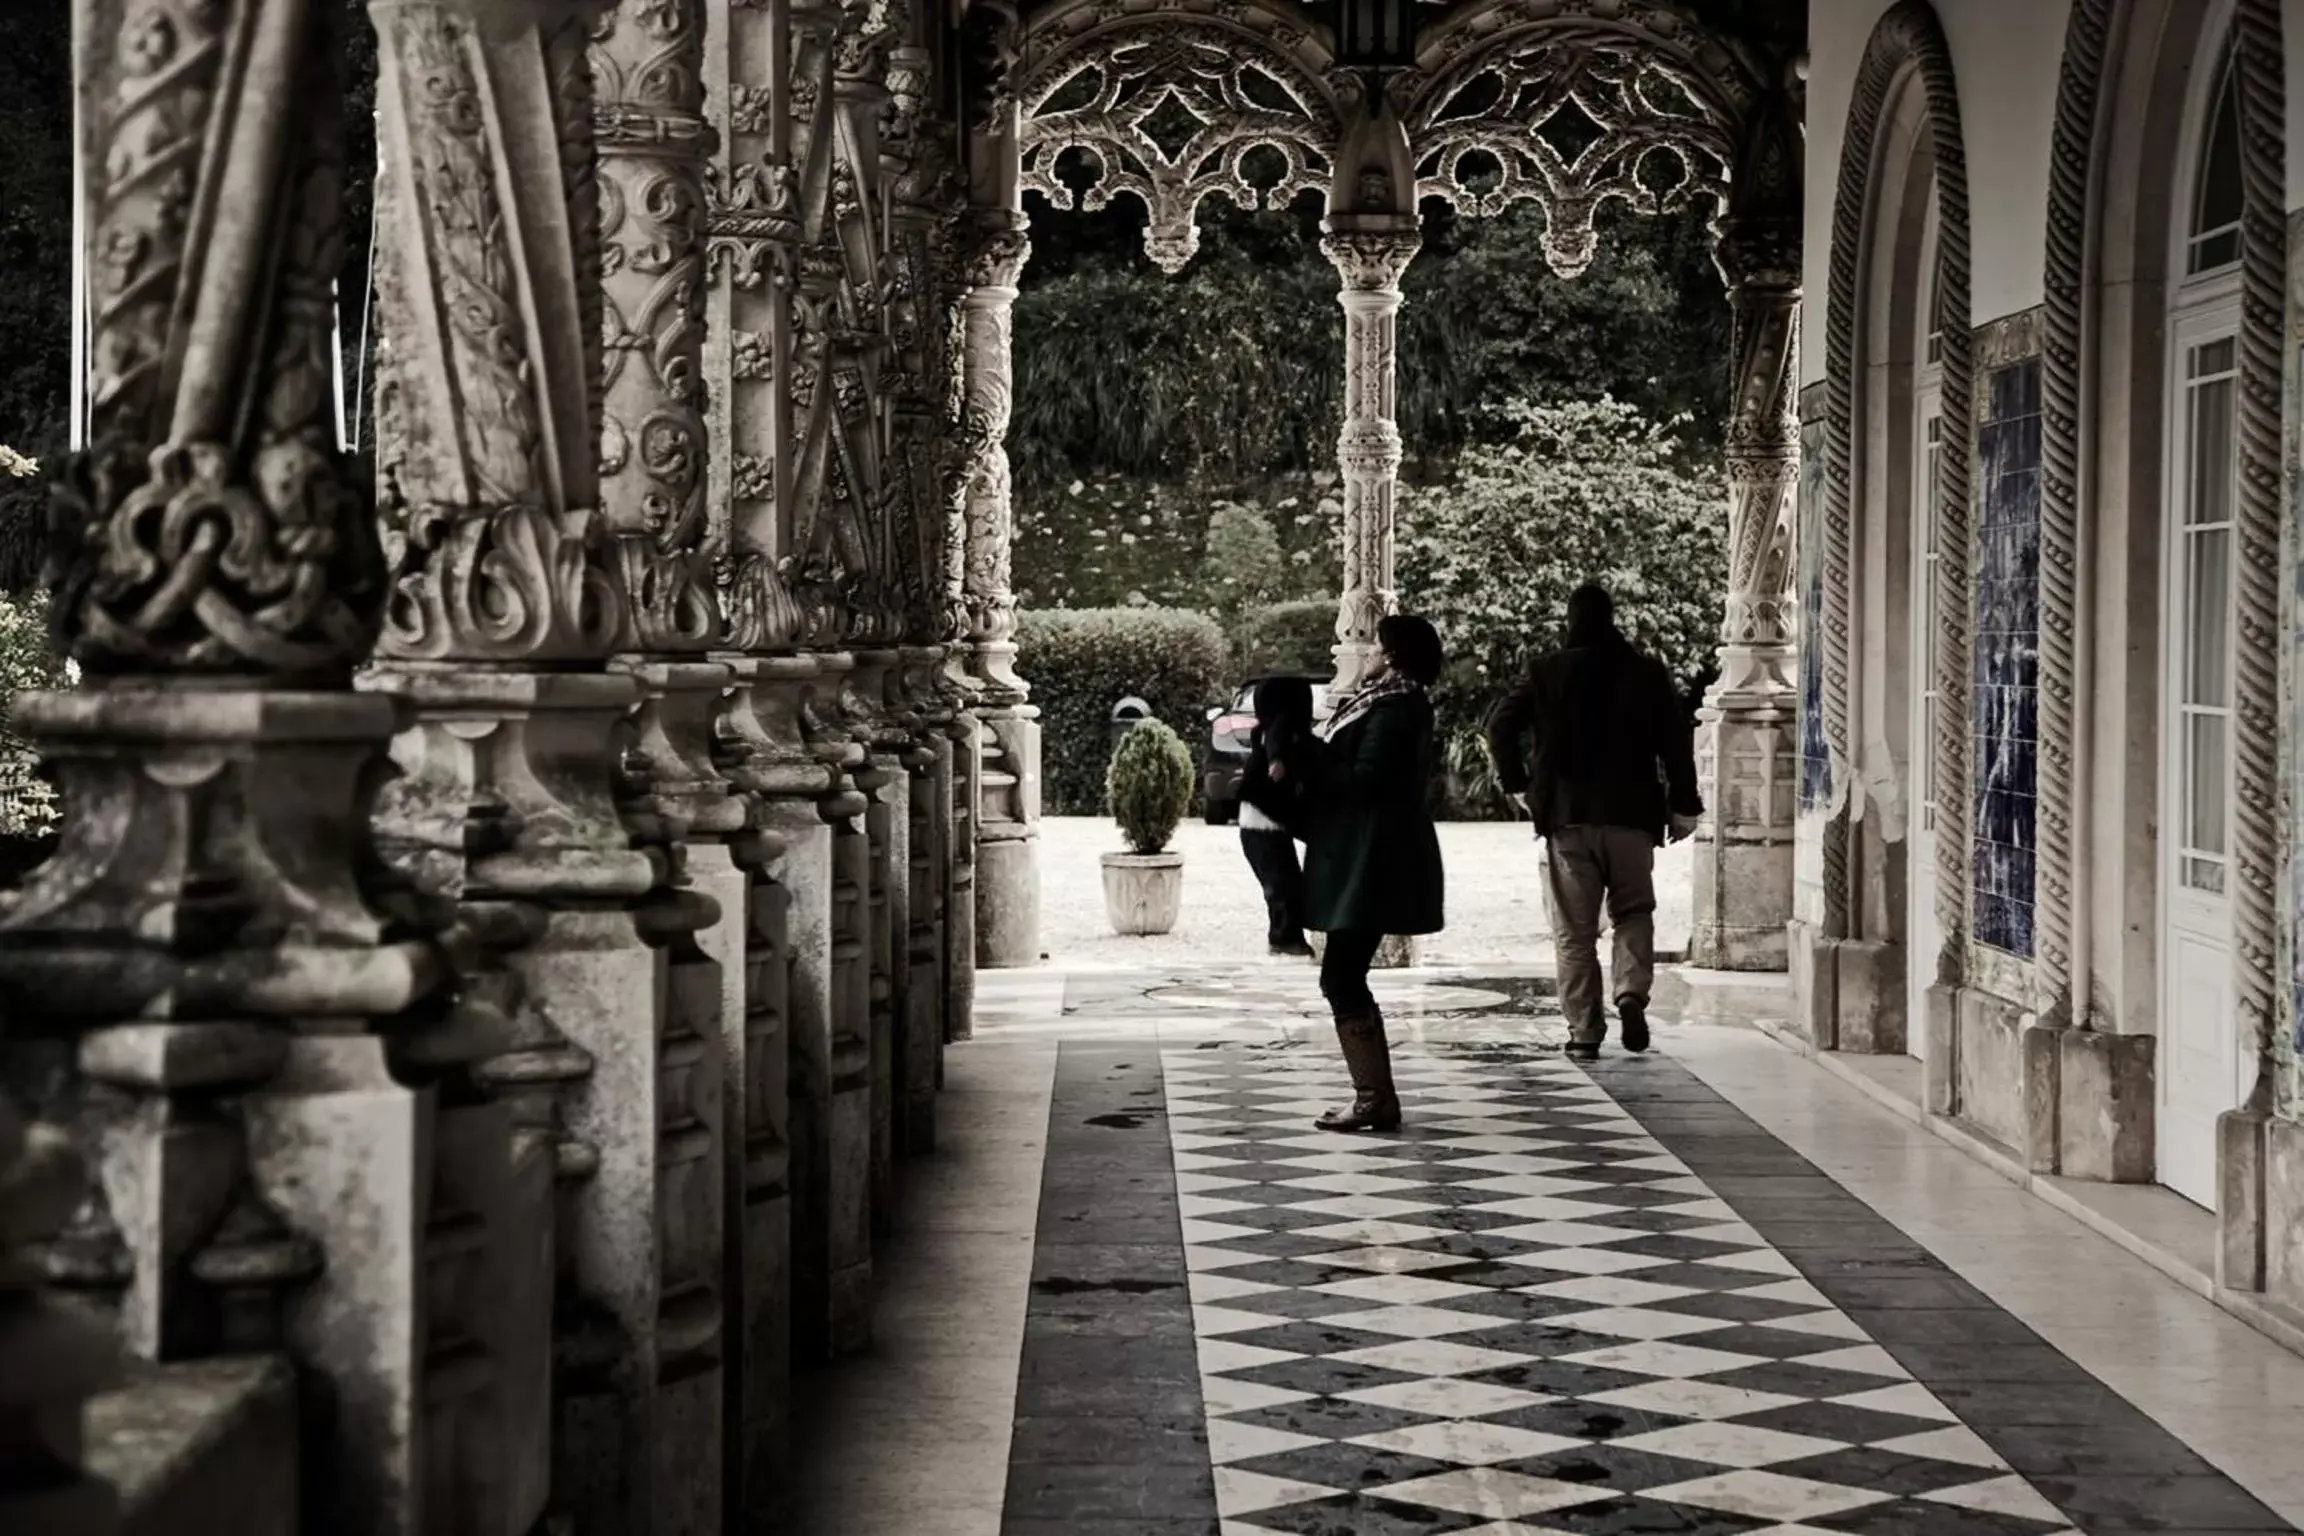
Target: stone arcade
512, 910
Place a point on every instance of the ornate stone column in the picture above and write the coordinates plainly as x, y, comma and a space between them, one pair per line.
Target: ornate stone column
656, 152
1747, 739
753, 235
1007, 768
923, 198
771, 192
234, 1007
1370, 251
509, 592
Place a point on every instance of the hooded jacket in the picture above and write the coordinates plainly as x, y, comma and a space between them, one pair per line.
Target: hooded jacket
1595, 738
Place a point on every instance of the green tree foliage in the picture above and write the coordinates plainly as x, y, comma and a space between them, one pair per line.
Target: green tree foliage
1589, 491
1081, 662
1484, 321
1297, 638
1149, 786
1125, 542
1244, 566
36, 256
1232, 370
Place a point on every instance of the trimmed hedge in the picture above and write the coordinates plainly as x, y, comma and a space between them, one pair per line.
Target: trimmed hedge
1297, 639
1082, 661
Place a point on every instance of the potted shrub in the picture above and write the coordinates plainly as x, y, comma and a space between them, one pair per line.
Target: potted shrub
1149, 787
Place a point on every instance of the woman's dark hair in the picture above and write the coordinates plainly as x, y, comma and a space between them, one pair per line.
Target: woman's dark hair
1591, 614
1413, 644
1284, 701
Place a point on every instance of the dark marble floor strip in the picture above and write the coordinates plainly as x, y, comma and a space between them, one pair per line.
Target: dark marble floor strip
2108, 1466
1111, 1438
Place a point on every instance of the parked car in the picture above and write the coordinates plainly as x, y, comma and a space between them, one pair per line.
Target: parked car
1228, 731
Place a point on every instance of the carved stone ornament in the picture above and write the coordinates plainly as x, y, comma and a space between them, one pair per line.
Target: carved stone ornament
1573, 117
647, 59
1173, 112
211, 526
488, 519
1907, 37
753, 223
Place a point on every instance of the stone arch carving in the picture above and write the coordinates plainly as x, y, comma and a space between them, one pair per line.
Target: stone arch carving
1908, 39
1650, 86
2075, 205
1171, 101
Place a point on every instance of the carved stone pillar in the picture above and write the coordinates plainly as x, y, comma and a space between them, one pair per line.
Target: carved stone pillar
209, 949
656, 152
924, 205
887, 782
510, 591
928, 762
1743, 894
840, 1068
753, 235
1370, 253
1007, 767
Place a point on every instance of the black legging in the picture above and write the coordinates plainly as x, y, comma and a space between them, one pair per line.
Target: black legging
1344, 972
1273, 856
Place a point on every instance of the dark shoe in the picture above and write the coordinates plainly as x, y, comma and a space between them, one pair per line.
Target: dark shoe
1368, 1058
1295, 948
1632, 1013
1583, 1050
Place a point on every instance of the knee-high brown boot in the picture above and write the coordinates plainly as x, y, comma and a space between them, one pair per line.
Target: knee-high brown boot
1368, 1058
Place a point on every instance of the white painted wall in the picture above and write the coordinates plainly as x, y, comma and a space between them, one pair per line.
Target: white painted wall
2292, 35
2005, 55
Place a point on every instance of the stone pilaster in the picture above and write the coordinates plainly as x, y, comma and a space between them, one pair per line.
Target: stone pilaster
840, 1065
1370, 252
246, 1022
1747, 739
656, 149
510, 591
1007, 746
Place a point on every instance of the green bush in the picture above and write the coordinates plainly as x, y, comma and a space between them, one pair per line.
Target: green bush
1149, 785
1592, 491
1297, 639
1082, 661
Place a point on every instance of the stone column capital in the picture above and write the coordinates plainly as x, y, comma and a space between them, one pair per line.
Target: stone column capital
1370, 252
995, 243
1760, 257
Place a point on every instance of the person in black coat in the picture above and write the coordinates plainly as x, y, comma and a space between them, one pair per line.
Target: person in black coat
1372, 860
1610, 775
1271, 806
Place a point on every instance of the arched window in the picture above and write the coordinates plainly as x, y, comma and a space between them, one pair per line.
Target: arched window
2201, 1073
2214, 239
1923, 935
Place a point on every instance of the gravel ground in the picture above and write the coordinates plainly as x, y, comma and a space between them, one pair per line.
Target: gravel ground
1495, 904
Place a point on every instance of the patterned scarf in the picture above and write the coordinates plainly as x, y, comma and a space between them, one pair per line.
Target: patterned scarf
1392, 685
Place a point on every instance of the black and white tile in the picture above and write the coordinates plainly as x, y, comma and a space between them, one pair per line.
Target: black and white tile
1524, 1315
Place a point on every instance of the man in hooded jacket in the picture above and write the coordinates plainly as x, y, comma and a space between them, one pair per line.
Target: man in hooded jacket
1596, 748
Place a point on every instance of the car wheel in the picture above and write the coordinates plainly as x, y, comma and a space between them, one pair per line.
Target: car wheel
1222, 813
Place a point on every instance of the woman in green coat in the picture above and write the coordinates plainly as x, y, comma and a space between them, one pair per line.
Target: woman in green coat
1372, 860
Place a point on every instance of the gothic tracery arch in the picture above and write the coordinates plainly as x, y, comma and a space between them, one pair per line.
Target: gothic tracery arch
1532, 100
1171, 106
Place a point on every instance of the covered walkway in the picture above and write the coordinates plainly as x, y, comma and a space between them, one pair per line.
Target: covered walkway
1714, 1289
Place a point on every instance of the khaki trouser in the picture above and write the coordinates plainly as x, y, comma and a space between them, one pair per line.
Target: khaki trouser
1584, 868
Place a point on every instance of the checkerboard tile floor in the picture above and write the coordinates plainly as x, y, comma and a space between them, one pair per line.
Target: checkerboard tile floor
1521, 1316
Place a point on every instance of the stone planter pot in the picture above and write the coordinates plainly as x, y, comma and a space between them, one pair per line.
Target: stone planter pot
1143, 892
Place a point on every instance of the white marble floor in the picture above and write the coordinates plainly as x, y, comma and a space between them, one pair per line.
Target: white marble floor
914, 1437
